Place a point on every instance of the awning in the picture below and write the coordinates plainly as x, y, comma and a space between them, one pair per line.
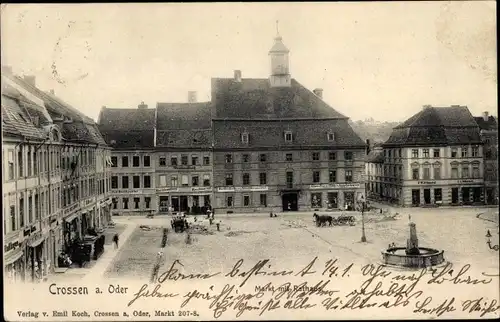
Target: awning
13, 256
72, 217
36, 242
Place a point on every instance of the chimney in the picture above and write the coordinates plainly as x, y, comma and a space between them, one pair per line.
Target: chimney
30, 79
486, 116
192, 97
142, 106
318, 92
237, 76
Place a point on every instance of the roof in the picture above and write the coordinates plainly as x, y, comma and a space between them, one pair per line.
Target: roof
17, 121
78, 131
271, 134
254, 98
124, 128
488, 125
437, 126
278, 46
184, 125
375, 156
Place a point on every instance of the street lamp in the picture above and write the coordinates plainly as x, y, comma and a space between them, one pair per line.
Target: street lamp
363, 205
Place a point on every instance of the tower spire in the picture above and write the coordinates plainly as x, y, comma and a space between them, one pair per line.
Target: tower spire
277, 28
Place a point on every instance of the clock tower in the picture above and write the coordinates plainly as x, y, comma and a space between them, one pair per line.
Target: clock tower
280, 69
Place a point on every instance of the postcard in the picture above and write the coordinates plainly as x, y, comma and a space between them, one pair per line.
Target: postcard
250, 161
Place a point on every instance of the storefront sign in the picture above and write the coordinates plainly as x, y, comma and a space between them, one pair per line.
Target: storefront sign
126, 191
427, 182
241, 189
35, 239
335, 186
201, 189
167, 189
468, 181
11, 246
86, 202
184, 189
71, 209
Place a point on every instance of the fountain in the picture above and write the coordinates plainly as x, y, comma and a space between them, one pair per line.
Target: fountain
412, 256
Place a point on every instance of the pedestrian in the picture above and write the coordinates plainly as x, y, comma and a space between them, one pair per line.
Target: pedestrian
115, 240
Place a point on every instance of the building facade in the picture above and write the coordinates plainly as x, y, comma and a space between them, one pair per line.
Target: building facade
434, 158
43, 181
489, 135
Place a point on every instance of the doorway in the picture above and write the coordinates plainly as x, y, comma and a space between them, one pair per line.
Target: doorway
454, 195
466, 200
289, 201
489, 196
427, 196
183, 203
415, 197
175, 203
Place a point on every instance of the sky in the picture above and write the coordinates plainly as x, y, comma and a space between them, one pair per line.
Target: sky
375, 60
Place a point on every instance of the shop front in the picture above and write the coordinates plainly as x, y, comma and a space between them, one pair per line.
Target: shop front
14, 264
443, 192
335, 196
36, 254
104, 217
71, 230
193, 200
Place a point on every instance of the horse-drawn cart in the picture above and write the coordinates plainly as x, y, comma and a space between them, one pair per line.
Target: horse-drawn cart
342, 220
179, 224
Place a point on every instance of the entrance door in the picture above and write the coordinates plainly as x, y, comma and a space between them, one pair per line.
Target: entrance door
489, 196
476, 194
175, 203
415, 197
289, 201
183, 203
454, 195
427, 196
163, 204
466, 196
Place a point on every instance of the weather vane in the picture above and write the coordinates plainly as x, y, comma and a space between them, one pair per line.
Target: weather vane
277, 27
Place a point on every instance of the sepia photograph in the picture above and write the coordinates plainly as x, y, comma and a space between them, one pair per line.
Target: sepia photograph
250, 161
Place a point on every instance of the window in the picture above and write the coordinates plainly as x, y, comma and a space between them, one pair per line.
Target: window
332, 176
246, 201
427, 173
263, 157
454, 152
332, 156
315, 156
438, 195
399, 153
125, 182
184, 159
229, 158
136, 180
114, 182
195, 181
316, 176
465, 151
29, 163
194, 160
454, 173
315, 200
331, 136
206, 160
136, 203
135, 161
124, 162
289, 179
11, 165
348, 176
426, 153
437, 172
263, 199
289, 157
147, 181
229, 201
163, 161
245, 158
184, 180
465, 172
475, 172
20, 161
475, 151
147, 161
288, 136
415, 175
263, 178
125, 203
147, 201
348, 155
206, 180
244, 138
35, 163
30, 209
173, 161
246, 179
229, 179
414, 153
436, 153
13, 217
163, 180
115, 203
174, 182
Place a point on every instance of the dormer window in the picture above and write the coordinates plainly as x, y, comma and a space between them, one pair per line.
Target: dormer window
331, 136
288, 136
244, 137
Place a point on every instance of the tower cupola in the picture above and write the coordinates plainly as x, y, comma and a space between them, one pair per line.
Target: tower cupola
280, 64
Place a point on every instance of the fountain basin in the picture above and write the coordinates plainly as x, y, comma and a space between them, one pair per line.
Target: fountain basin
396, 256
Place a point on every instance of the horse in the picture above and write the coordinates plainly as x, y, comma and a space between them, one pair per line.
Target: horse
322, 220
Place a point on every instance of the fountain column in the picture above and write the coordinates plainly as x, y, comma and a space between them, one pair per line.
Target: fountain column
412, 242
